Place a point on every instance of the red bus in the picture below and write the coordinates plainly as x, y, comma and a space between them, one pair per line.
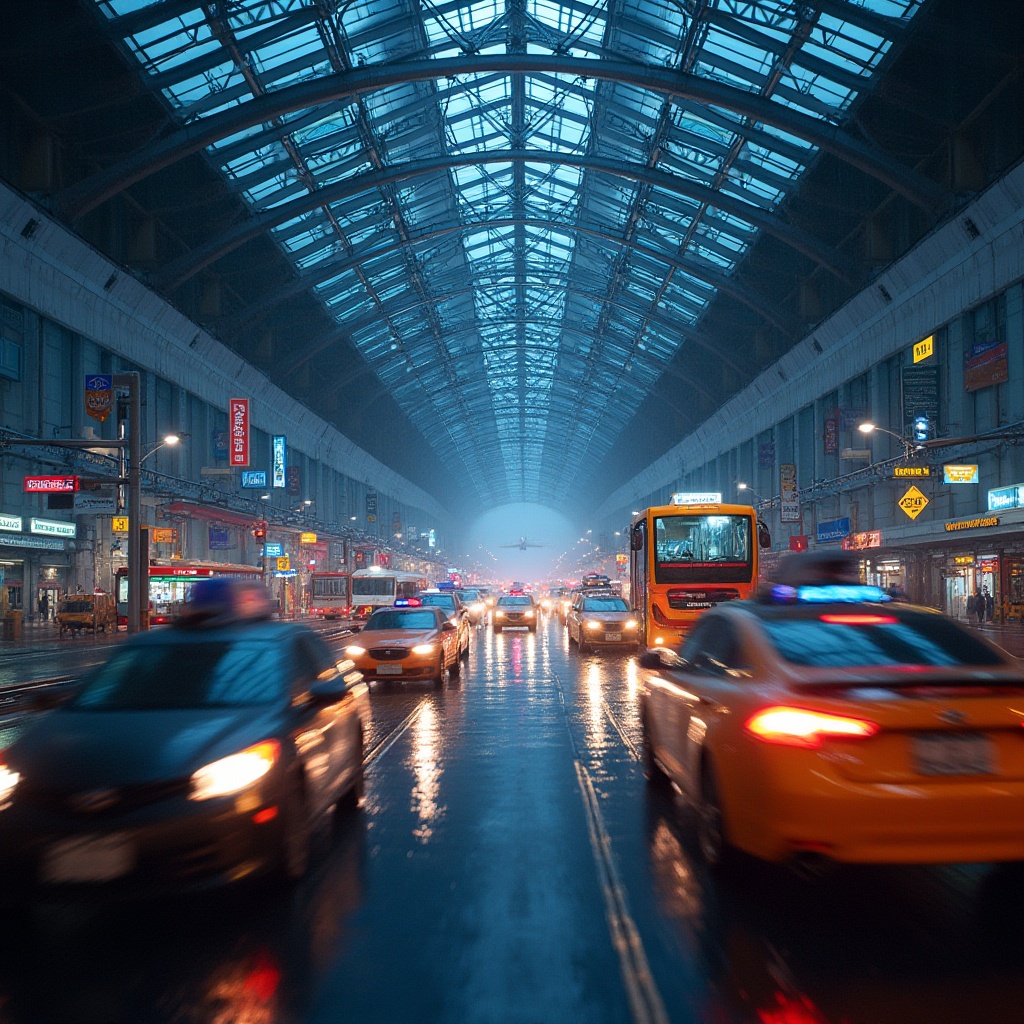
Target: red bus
170, 583
331, 594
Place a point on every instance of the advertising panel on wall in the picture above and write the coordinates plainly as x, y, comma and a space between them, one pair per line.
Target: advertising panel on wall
279, 465
920, 390
833, 531
985, 364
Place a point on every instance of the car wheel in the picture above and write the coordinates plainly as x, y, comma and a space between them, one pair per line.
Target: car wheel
653, 772
456, 666
297, 835
465, 651
711, 825
441, 676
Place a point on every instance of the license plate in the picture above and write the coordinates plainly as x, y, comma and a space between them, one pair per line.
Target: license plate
389, 670
954, 754
613, 637
88, 859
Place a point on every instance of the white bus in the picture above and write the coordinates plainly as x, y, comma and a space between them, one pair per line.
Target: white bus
377, 587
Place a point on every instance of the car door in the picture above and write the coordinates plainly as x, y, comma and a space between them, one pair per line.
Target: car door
325, 738
714, 664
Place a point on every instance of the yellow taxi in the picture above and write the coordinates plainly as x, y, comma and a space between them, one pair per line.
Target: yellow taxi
406, 642
825, 722
601, 618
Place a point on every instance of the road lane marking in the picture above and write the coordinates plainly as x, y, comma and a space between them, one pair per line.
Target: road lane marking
389, 741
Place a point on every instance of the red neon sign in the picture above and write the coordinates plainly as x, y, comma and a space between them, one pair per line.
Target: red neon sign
50, 484
238, 431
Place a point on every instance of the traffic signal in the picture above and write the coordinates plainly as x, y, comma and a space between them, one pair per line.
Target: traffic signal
922, 429
259, 531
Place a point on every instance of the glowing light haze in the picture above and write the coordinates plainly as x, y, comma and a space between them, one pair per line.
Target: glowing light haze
509, 523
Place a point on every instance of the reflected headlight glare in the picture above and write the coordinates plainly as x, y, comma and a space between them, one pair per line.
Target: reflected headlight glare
631, 624
423, 649
354, 652
8, 780
236, 771
593, 624
454, 620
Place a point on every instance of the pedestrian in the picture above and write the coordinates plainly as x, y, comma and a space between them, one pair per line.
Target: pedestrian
990, 604
979, 607
44, 606
972, 607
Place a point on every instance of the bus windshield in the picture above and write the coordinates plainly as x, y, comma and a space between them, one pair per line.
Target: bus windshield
704, 548
373, 586
330, 586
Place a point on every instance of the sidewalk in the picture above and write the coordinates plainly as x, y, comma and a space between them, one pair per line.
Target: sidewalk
1009, 635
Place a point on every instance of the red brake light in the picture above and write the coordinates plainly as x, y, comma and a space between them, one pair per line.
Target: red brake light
798, 727
860, 620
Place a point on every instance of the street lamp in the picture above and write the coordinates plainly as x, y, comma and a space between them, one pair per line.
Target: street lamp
747, 487
908, 446
169, 441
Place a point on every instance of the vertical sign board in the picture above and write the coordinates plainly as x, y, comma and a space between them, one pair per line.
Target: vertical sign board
279, 461
238, 430
99, 395
787, 489
371, 506
920, 387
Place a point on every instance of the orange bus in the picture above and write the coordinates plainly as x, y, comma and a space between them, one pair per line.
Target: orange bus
688, 556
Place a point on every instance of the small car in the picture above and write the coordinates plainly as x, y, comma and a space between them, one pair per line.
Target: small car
824, 722
451, 604
602, 619
195, 756
514, 610
406, 642
476, 607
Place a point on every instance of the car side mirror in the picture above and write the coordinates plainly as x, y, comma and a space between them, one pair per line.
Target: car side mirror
764, 537
330, 691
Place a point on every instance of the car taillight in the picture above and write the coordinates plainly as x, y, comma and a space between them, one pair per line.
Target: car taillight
798, 727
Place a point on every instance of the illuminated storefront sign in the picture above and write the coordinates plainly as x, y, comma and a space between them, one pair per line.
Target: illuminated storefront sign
307, 538
911, 471
972, 524
52, 528
11, 523
832, 531
254, 478
960, 474
861, 541
280, 460
1002, 498
50, 484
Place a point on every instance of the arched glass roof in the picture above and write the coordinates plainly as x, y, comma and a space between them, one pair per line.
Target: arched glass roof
517, 210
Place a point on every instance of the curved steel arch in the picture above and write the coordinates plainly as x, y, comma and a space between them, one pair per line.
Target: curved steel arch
326, 339
178, 271
79, 199
728, 285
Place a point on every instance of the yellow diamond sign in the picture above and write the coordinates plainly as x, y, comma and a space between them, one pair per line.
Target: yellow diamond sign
913, 502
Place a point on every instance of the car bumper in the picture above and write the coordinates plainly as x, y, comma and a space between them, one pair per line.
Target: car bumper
189, 847
944, 821
408, 669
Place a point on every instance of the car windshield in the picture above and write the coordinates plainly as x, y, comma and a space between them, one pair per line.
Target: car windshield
605, 604
178, 676
469, 595
396, 619
506, 601
873, 637
438, 601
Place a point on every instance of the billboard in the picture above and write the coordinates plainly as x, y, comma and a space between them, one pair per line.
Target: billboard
238, 430
279, 463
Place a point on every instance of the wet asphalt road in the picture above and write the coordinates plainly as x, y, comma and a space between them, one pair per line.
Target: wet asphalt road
509, 866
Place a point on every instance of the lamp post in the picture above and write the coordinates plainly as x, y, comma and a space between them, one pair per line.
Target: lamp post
909, 447
169, 441
747, 487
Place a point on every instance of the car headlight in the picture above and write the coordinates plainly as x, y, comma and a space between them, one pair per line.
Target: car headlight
354, 651
235, 772
593, 624
423, 649
8, 780
499, 614
632, 624
529, 615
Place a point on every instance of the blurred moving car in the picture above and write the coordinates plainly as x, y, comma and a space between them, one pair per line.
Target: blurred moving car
601, 619
407, 642
473, 602
195, 756
514, 610
825, 721
451, 604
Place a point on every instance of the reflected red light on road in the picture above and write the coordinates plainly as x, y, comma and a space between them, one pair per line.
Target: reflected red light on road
796, 1009
262, 981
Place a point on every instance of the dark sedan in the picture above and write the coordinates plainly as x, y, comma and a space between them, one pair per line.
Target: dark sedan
195, 756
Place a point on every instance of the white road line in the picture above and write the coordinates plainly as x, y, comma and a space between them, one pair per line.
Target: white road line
385, 745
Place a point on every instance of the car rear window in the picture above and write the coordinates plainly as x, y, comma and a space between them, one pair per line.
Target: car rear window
506, 601
400, 620
438, 601
881, 639
605, 604
165, 677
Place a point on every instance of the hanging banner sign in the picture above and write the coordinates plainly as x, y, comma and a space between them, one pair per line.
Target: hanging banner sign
279, 449
787, 488
95, 506
960, 474
238, 430
50, 484
99, 395
831, 435
371, 506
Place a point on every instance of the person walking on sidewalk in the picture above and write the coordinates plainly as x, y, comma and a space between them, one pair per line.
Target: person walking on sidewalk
44, 605
990, 604
972, 606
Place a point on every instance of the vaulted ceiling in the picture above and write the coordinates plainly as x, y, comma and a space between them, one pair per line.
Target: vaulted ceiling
538, 239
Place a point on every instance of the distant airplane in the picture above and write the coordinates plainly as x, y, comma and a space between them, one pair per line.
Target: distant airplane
522, 545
